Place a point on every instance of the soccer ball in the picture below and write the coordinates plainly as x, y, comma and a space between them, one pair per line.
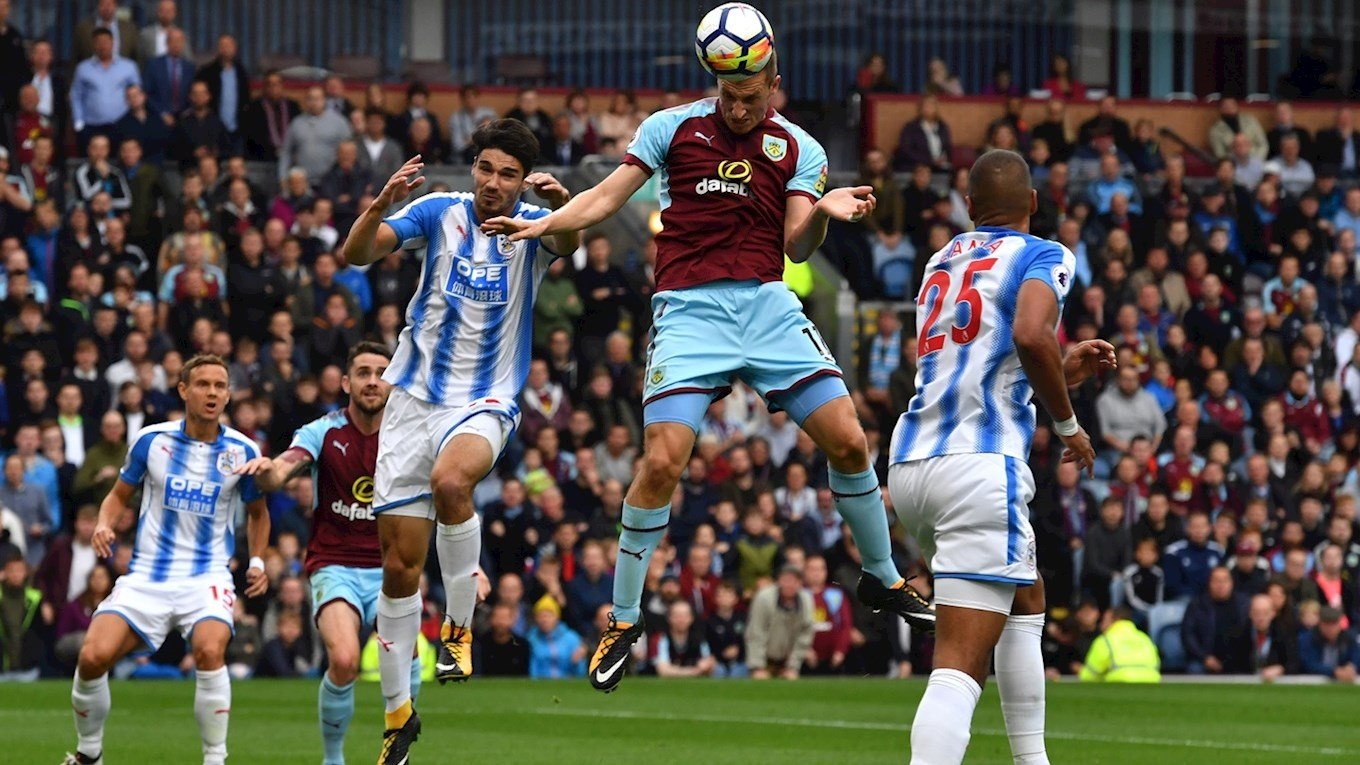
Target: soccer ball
734, 41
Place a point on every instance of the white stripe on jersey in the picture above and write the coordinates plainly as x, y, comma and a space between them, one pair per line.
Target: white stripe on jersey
972, 396
190, 498
469, 328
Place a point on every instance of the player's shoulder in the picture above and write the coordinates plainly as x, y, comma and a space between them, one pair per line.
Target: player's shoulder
147, 434
665, 122
234, 438
797, 135
328, 421
529, 211
434, 203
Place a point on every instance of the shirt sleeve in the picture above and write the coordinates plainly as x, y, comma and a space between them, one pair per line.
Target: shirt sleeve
414, 222
134, 468
652, 142
249, 490
311, 437
809, 176
1052, 264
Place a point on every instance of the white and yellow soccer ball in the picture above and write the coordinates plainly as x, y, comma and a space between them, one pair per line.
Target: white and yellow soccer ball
734, 41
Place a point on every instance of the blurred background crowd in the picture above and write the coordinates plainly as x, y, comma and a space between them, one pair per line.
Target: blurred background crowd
155, 204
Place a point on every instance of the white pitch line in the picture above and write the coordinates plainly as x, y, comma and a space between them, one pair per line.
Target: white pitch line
1243, 746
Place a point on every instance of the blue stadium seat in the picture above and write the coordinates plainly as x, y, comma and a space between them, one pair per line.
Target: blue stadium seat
1164, 626
895, 276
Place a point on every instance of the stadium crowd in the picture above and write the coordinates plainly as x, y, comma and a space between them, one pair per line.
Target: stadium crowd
1226, 494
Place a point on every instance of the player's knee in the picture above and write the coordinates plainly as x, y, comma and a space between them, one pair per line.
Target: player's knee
344, 665
451, 486
661, 470
209, 657
848, 452
401, 577
93, 662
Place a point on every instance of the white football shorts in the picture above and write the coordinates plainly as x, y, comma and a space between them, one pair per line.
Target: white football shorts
970, 514
152, 609
412, 435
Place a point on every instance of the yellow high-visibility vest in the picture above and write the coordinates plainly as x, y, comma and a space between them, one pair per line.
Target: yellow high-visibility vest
1122, 654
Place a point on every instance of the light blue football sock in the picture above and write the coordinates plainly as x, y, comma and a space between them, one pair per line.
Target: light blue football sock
860, 503
336, 706
643, 530
416, 669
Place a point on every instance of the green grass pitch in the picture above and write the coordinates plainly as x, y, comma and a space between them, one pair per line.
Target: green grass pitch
654, 722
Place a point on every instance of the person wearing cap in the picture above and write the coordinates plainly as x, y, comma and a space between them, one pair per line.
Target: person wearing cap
1296, 173
555, 651
779, 630
1250, 571
1328, 649
1122, 653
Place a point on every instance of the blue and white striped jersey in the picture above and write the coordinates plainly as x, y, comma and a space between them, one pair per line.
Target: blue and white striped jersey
972, 396
190, 498
469, 328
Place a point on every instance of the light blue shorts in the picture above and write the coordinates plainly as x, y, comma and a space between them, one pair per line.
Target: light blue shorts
357, 587
704, 337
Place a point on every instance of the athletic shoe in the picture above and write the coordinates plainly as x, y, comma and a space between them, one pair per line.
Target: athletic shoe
902, 600
606, 666
82, 759
399, 736
455, 653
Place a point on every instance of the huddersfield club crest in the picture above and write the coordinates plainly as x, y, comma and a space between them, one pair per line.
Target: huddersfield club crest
506, 247
775, 148
230, 459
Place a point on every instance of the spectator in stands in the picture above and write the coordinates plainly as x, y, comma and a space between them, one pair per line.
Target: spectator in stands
469, 116
379, 155
1329, 649
591, 587
424, 141
228, 81
681, 650
779, 633
619, 122
1341, 534
168, 76
155, 39
545, 403
925, 140
562, 148
336, 101
1126, 411
555, 651
832, 620
28, 125
1265, 647
1107, 121
1188, 562
97, 175
265, 120
345, 184
1054, 131
416, 111
122, 34
103, 460
13, 64
1338, 589
1107, 551
21, 647
29, 503
1339, 145
1061, 83
74, 618
97, 94
501, 651
605, 292
289, 652
199, 132
313, 137
16, 199
1143, 581
1112, 182
1212, 620
1232, 122
1296, 173
940, 81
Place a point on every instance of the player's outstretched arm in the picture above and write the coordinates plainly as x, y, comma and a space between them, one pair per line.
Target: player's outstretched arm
257, 534
585, 210
805, 222
271, 473
369, 238
113, 507
1036, 314
557, 197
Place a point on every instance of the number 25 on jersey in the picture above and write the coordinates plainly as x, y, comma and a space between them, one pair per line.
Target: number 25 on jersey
934, 293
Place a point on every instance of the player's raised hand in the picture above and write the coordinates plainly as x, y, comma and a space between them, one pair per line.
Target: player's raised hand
256, 582
103, 540
1080, 451
402, 183
483, 585
255, 466
1088, 359
549, 188
517, 229
849, 203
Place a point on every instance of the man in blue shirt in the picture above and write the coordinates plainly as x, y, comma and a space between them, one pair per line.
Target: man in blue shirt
98, 97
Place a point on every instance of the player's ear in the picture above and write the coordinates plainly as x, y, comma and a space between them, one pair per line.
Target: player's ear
968, 202
1033, 201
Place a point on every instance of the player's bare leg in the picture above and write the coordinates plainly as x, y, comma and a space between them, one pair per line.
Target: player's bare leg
964, 640
646, 514
108, 640
339, 625
835, 428
1020, 675
212, 694
461, 464
404, 541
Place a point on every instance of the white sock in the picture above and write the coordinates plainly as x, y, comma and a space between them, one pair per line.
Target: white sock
398, 626
1020, 680
90, 703
940, 732
459, 546
212, 708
